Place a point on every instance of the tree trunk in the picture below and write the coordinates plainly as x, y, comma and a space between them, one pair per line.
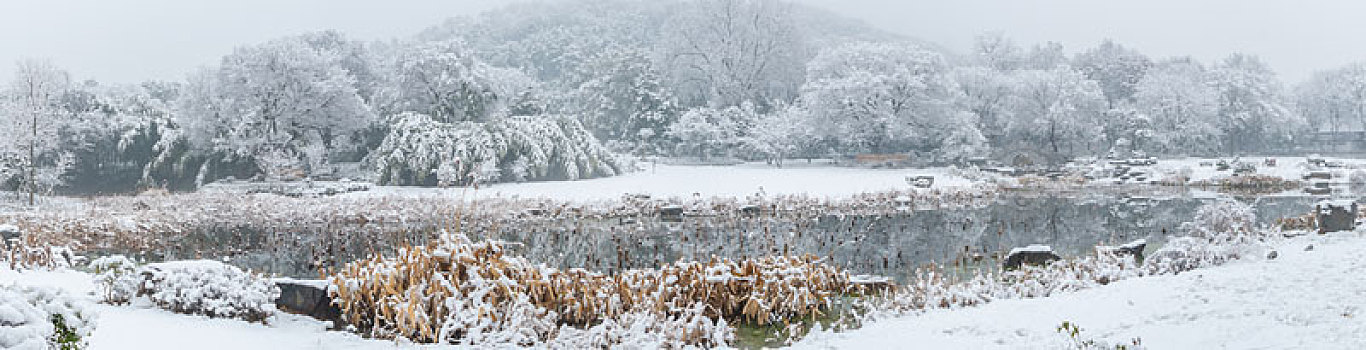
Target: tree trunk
32, 160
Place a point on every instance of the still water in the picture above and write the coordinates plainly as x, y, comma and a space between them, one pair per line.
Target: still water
891, 244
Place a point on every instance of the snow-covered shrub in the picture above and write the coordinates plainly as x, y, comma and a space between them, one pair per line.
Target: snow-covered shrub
114, 278
1221, 231
206, 287
1254, 182
36, 254
1075, 341
43, 318
1357, 178
422, 151
689, 327
1188, 253
1224, 219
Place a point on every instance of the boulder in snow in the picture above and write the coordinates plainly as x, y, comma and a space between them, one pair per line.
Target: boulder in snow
1334, 216
921, 181
307, 297
9, 233
1134, 249
1319, 174
1032, 255
671, 212
750, 210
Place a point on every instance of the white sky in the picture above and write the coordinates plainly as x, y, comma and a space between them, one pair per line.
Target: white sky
135, 40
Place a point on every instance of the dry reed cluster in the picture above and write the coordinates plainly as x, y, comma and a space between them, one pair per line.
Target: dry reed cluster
459, 291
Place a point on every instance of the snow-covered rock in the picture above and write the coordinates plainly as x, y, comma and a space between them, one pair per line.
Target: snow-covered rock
1036, 254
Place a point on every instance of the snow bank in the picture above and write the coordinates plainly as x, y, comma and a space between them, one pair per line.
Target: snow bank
1304, 299
39, 318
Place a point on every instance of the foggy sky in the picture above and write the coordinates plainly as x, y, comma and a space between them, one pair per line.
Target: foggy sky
136, 40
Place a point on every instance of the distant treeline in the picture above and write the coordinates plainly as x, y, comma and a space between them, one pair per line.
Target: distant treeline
566, 90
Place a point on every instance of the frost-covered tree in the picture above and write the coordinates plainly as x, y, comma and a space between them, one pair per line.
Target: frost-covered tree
780, 135
31, 123
998, 52
285, 104
709, 132
722, 53
1057, 114
990, 95
1253, 109
446, 81
1116, 68
1046, 56
420, 150
889, 98
623, 99
1179, 98
110, 134
1335, 97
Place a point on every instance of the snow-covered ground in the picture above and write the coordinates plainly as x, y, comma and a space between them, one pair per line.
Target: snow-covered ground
1301, 300
142, 326
1291, 168
797, 177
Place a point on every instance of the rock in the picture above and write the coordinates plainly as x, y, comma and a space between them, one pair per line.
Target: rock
1272, 255
309, 298
8, 232
1032, 255
1134, 249
920, 181
871, 283
1323, 175
1309, 248
750, 210
1335, 216
671, 212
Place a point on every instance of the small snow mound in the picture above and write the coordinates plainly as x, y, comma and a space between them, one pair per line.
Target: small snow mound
1033, 248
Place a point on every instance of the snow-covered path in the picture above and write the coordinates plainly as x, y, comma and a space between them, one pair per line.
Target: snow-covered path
1301, 300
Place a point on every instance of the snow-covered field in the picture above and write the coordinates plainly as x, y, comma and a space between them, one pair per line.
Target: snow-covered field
1303, 299
797, 177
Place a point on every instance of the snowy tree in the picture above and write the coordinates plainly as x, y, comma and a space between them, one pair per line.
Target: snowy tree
1335, 97
708, 132
420, 150
787, 133
1116, 68
32, 121
990, 95
285, 104
446, 81
1046, 56
109, 133
1179, 98
722, 53
1253, 110
998, 52
623, 100
1058, 113
888, 98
